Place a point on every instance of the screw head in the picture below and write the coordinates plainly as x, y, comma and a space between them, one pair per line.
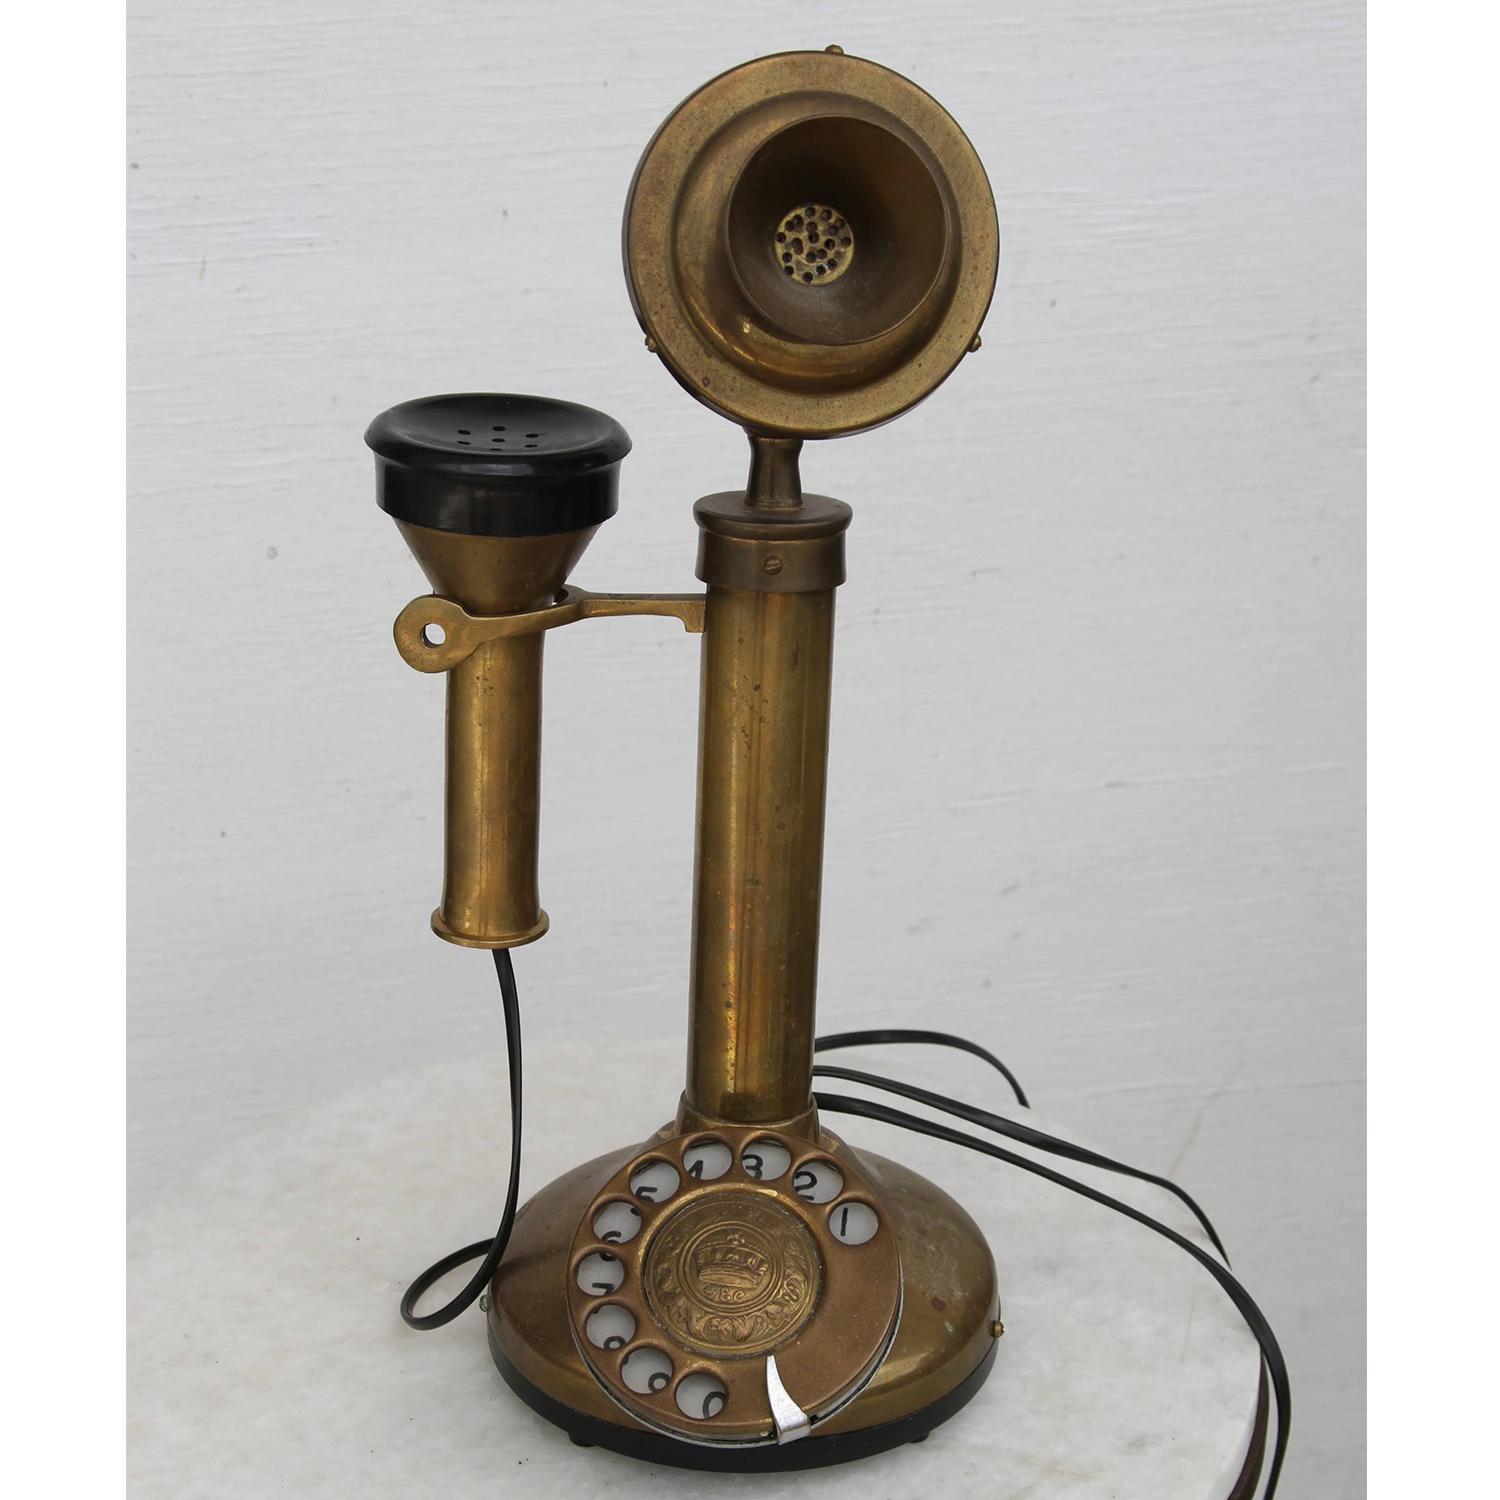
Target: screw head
997, 1329
772, 565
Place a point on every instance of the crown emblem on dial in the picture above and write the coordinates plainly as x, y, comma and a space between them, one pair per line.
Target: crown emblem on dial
728, 1269
732, 1274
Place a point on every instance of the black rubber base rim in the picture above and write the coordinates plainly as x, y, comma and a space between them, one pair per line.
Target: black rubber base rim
811, 1453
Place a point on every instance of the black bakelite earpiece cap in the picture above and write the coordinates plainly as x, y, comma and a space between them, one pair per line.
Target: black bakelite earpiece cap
485, 465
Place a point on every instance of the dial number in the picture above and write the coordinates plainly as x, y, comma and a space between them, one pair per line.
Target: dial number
617, 1222
600, 1272
610, 1327
708, 1160
853, 1223
765, 1160
655, 1182
701, 1396
817, 1182
646, 1371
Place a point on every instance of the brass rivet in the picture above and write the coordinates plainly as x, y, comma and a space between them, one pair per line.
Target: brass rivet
835, 48
651, 345
997, 1329
974, 344
772, 565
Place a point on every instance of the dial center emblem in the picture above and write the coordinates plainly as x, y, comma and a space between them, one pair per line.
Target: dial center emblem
732, 1274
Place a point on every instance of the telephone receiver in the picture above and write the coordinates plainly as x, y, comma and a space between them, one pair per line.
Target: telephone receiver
810, 248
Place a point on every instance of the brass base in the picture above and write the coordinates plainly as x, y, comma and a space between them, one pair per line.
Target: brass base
942, 1351
656, 1448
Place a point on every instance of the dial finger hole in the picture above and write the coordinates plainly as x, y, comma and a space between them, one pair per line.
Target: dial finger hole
853, 1223
707, 1160
817, 1182
646, 1371
655, 1182
765, 1160
701, 1396
600, 1273
617, 1222
610, 1327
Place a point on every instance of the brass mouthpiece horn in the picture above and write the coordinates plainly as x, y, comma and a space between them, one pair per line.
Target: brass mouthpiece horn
810, 244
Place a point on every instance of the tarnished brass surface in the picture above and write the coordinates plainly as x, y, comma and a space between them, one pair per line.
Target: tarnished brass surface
949, 1299
434, 634
496, 575
786, 549
528, 1310
499, 596
731, 1267
680, 1276
492, 793
950, 1302
492, 783
762, 768
803, 1125
775, 481
827, 339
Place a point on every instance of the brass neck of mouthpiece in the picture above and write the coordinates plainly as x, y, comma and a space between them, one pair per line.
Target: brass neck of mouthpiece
775, 479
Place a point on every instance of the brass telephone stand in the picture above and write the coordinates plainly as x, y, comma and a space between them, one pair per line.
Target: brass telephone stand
810, 246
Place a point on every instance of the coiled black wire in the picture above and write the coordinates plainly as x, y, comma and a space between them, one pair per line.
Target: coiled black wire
492, 1249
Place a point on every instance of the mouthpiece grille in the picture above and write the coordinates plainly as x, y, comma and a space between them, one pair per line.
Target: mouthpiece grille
814, 244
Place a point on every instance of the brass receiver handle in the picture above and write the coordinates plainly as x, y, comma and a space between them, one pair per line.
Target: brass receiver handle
433, 634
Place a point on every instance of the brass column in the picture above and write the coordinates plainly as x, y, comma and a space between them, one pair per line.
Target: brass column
772, 561
492, 793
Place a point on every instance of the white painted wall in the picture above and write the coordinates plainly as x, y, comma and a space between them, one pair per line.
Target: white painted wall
1096, 781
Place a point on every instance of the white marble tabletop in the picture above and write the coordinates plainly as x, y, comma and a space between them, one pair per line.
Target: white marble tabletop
267, 1356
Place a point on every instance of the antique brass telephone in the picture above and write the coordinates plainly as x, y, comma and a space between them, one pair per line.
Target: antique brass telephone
811, 246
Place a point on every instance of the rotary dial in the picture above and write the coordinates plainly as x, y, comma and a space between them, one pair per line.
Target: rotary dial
735, 1286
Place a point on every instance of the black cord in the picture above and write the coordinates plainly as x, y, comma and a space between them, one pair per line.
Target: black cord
1270, 1350
492, 1249
1027, 1134
887, 1037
